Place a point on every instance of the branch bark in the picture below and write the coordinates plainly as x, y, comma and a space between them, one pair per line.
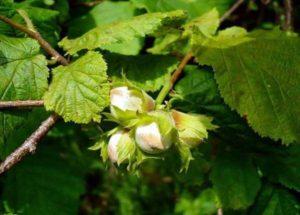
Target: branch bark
288, 24
236, 5
31, 142
175, 76
29, 146
89, 4
21, 104
37, 36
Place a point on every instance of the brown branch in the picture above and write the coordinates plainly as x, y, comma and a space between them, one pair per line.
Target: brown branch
180, 68
36, 35
31, 142
18, 104
175, 76
231, 10
89, 4
29, 146
288, 24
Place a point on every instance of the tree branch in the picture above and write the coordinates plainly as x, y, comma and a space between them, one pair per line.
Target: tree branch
36, 35
288, 24
89, 4
18, 104
168, 86
31, 142
29, 145
231, 10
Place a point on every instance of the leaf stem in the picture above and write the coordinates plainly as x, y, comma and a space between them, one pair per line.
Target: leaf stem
29, 146
169, 85
18, 104
37, 36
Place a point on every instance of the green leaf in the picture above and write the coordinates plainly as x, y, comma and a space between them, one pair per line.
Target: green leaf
177, 40
123, 31
24, 71
168, 43
260, 79
23, 75
45, 20
281, 164
17, 126
148, 72
207, 24
105, 13
197, 92
235, 180
61, 6
224, 39
45, 183
206, 203
275, 201
194, 8
79, 91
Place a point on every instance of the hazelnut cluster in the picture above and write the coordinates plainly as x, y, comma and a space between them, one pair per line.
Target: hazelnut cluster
144, 131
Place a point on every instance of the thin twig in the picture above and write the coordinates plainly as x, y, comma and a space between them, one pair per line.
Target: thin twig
168, 86
288, 24
180, 68
89, 4
31, 142
29, 146
18, 104
231, 10
36, 35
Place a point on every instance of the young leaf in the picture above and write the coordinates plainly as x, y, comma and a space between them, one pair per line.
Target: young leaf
79, 91
122, 31
194, 8
207, 24
105, 13
177, 40
226, 38
235, 180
